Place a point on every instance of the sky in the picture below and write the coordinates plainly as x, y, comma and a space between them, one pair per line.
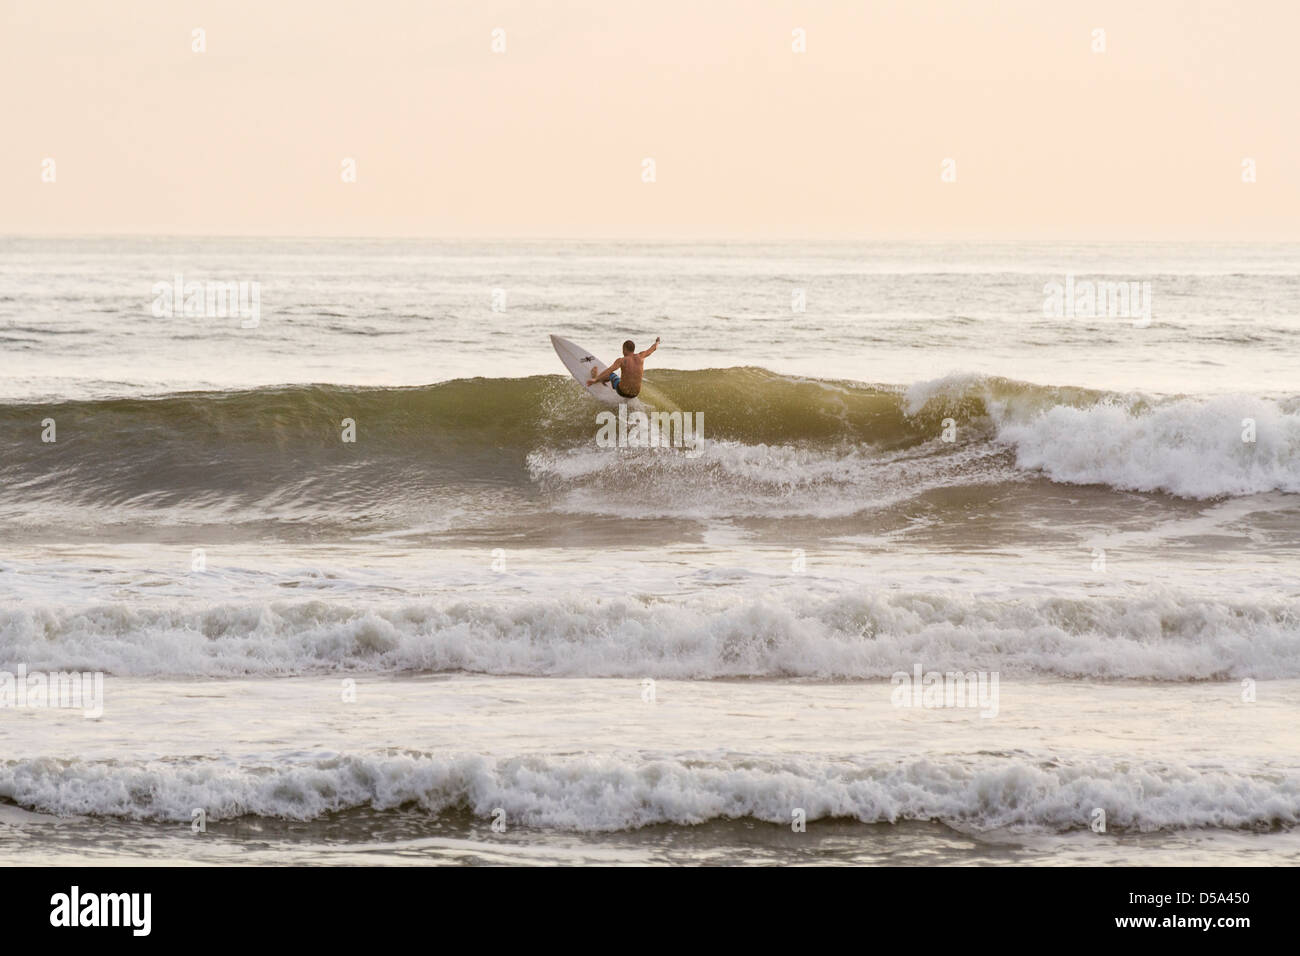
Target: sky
1049, 138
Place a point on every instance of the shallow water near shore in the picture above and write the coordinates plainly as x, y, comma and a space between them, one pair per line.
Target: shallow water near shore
417, 769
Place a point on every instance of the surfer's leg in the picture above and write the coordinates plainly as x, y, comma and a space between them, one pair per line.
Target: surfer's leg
613, 381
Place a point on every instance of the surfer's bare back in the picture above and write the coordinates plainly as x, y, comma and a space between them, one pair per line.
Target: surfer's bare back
632, 365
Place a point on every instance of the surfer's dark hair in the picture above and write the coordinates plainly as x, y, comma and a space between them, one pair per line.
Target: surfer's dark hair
628, 347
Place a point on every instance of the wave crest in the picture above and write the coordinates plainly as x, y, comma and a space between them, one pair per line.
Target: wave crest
611, 794
1157, 634
279, 453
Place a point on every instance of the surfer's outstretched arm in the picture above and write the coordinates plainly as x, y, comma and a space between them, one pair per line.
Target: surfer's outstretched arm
604, 376
647, 352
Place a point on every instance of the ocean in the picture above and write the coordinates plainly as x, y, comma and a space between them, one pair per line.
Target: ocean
967, 569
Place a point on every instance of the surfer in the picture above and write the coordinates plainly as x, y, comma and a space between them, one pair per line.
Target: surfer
632, 365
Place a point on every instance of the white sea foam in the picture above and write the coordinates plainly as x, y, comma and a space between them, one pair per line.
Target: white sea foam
1192, 448
624, 792
731, 479
851, 632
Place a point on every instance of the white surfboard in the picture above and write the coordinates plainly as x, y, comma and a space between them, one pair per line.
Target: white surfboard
579, 362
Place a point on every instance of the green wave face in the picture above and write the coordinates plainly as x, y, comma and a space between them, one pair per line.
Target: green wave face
278, 443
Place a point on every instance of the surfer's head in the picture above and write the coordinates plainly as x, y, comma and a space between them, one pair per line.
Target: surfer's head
628, 347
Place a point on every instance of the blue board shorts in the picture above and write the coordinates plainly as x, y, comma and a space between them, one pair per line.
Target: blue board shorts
613, 382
